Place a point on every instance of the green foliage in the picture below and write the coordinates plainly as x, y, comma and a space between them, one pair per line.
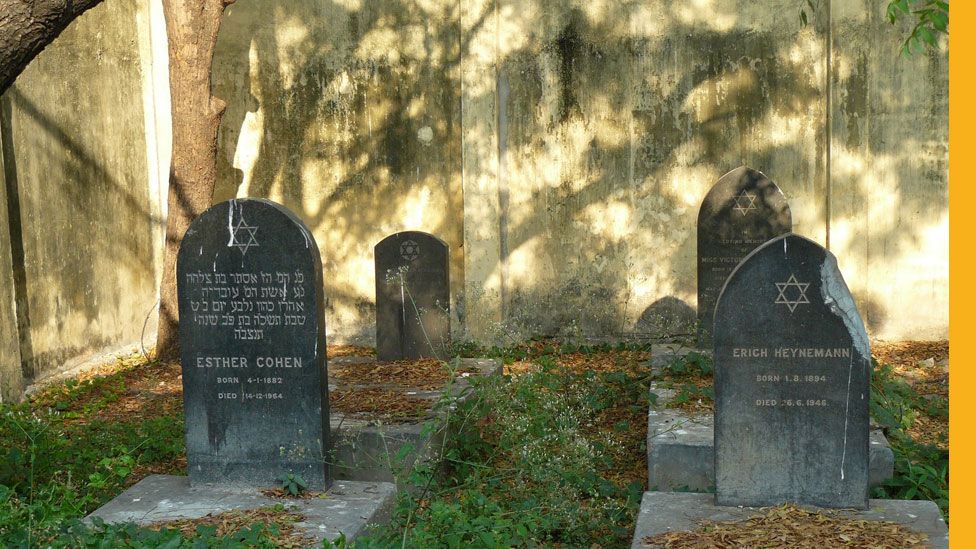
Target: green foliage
527, 465
931, 19
539, 347
690, 364
466, 349
339, 543
921, 470
61, 461
293, 484
99, 535
533, 460
689, 393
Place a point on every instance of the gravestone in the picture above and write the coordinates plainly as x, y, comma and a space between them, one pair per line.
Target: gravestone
412, 297
252, 331
742, 210
792, 382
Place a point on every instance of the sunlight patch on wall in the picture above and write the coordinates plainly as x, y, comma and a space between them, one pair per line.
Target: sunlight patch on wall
248, 145
704, 13
515, 23
610, 220
349, 5
292, 36
806, 53
414, 207
689, 184
784, 130
523, 268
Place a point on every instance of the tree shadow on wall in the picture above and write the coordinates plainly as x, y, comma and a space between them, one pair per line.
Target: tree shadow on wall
353, 119
100, 249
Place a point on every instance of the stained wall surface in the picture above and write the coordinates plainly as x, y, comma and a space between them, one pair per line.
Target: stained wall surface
592, 130
11, 375
79, 169
348, 113
561, 148
608, 124
889, 221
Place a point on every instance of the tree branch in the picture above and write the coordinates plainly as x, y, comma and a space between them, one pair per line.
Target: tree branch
28, 26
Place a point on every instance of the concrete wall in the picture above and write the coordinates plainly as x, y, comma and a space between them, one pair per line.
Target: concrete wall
11, 374
889, 221
593, 130
86, 223
348, 113
611, 121
560, 147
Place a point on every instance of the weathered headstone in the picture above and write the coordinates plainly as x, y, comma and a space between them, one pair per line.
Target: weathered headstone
412, 296
742, 210
252, 331
792, 382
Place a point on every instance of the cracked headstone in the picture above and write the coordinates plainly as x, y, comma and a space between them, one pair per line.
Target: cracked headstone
252, 333
742, 210
792, 382
412, 297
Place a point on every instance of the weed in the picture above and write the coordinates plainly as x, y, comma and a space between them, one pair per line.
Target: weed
543, 458
292, 484
921, 470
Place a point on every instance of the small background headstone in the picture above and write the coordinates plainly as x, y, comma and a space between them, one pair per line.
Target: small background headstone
412, 297
252, 331
743, 210
792, 382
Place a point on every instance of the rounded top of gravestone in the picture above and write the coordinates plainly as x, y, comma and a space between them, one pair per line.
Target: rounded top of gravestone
398, 236
801, 273
244, 235
744, 196
408, 246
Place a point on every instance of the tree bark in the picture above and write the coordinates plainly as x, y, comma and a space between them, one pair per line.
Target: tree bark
28, 26
191, 27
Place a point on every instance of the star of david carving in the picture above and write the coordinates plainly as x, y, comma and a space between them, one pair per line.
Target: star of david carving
745, 202
242, 236
409, 250
799, 295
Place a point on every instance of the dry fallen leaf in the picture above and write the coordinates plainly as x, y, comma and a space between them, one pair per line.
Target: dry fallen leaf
791, 527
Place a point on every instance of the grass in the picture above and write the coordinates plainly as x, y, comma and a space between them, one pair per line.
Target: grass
551, 454
921, 464
66, 452
554, 455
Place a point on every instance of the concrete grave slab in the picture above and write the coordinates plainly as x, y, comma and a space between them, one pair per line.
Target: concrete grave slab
674, 512
681, 448
365, 448
350, 508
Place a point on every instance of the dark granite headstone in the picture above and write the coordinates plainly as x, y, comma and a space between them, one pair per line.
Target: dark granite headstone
412, 297
742, 210
252, 331
792, 382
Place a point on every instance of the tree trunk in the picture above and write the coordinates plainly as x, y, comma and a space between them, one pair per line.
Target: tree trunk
28, 26
191, 26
